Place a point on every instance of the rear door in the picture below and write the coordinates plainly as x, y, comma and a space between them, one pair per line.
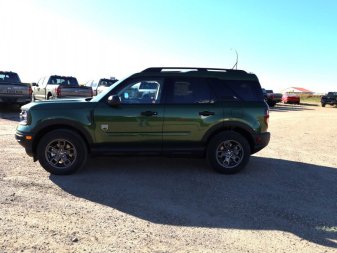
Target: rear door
190, 111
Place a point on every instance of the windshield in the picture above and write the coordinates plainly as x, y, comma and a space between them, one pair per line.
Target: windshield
9, 77
106, 91
107, 82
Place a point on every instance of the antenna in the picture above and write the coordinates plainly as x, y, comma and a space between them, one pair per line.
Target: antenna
237, 59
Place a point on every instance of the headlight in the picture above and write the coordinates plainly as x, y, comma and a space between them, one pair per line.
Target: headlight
24, 117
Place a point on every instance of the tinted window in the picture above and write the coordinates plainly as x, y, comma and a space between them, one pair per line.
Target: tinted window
9, 78
189, 91
63, 80
221, 90
246, 90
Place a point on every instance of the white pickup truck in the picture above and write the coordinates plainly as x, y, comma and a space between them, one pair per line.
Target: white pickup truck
54, 86
12, 90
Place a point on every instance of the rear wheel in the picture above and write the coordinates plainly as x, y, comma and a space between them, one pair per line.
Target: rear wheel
228, 152
323, 105
62, 152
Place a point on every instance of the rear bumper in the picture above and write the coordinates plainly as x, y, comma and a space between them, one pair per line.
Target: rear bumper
25, 142
261, 141
17, 100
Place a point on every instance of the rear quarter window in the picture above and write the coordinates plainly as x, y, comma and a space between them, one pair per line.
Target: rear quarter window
246, 90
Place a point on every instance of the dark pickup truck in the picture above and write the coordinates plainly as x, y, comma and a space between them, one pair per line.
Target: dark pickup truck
12, 90
271, 98
54, 86
329, 99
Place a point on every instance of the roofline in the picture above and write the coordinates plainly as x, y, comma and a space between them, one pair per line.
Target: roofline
199, 69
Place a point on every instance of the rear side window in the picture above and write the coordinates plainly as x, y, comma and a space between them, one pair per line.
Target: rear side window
189, 91
221, 90
232, 90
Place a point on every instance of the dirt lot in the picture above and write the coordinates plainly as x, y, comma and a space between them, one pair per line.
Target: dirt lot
285, 200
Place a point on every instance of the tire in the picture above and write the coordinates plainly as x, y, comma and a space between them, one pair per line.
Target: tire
62, 152
228, 152
272, 104
323, 105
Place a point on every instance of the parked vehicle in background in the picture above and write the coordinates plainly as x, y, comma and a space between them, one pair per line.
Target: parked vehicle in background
219, 114
329, 99
99, 85
12, 90
54, 86
272, 98
291, 98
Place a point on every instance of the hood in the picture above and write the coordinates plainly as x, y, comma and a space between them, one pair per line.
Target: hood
66, 103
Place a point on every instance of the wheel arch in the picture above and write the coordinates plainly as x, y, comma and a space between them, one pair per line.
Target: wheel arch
52, 125
238, 127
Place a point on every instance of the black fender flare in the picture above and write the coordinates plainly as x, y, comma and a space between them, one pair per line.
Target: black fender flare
239, 127
54, 124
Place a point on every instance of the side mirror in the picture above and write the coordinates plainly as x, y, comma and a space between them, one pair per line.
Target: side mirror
35, 84
114, 100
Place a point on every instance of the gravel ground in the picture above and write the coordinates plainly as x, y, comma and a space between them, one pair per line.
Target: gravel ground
284, 201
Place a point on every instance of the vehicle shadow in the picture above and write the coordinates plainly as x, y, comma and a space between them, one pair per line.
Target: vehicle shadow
270, 194
289, 107
309, 104
10, 112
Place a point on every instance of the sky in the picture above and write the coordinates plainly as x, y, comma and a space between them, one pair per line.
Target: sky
285, 43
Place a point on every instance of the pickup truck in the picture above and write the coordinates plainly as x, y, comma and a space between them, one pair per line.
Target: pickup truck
12, 90
52, 87
272, 98
329, 99
99, 85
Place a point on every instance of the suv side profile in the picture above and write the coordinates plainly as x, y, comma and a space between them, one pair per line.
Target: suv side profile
219, 114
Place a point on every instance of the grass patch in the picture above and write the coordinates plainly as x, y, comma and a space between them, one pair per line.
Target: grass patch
310, 99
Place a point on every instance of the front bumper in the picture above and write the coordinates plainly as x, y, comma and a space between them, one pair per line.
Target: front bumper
329, 102
25, 141
261, 141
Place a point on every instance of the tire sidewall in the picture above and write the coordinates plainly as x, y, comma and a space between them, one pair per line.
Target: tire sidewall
215, 142
71, 136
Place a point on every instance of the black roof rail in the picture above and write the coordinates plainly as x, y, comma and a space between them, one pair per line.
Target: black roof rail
160, 69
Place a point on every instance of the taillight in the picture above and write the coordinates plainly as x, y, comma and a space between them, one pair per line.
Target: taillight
58, 91
92, 92
30, 91
266, 117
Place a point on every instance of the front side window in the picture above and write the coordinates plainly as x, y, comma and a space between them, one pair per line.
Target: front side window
141, 92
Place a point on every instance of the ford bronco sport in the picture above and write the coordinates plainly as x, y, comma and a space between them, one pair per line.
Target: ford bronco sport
219, 114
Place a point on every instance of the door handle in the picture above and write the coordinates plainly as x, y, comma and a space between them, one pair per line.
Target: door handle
206, 113
149, 113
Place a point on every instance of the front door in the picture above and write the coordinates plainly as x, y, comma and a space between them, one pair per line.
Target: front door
40, 89
136, 124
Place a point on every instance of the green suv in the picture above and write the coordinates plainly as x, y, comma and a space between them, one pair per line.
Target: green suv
219, 114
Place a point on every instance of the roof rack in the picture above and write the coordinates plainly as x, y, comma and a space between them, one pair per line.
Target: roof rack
176, 69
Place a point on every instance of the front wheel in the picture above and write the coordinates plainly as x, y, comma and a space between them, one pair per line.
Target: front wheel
228, 152
62, 152
323, 105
